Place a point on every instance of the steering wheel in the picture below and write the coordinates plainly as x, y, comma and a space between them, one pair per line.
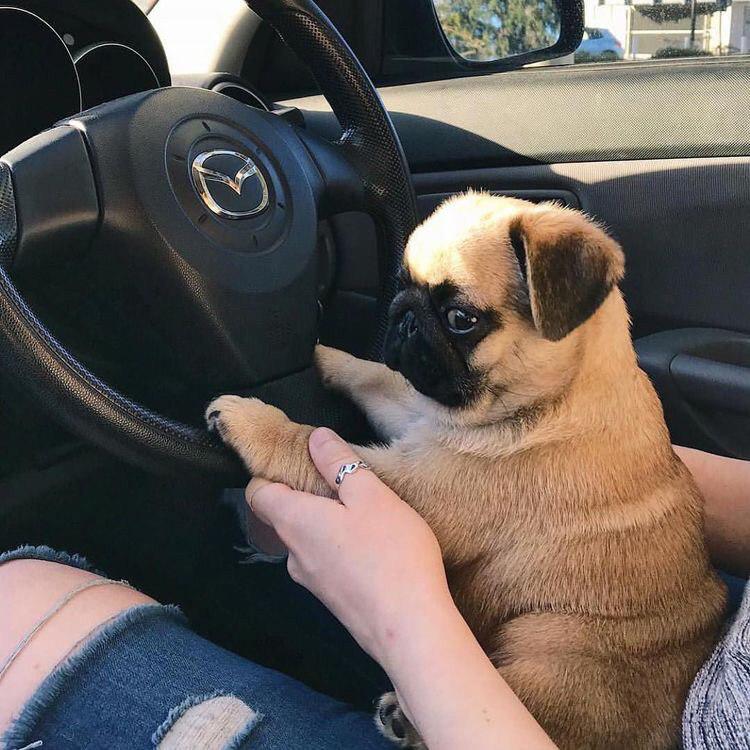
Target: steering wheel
208, 206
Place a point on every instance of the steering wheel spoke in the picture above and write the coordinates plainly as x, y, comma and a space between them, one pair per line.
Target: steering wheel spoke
368, 131
54, 199
340, 184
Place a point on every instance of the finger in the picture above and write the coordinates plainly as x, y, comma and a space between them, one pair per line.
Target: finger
268, 501
285, 509
329, 453
255, 484
259, 534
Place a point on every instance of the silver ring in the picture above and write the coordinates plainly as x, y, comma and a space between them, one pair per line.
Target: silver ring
349, 469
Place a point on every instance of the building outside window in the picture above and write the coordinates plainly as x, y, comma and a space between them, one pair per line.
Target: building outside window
644, 29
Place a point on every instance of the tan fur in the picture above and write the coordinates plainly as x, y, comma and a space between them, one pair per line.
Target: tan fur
571, 533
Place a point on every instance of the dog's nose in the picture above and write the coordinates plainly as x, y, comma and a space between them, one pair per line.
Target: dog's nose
408, 325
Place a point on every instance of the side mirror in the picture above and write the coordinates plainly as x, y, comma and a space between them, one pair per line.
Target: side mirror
427, 39
496, 34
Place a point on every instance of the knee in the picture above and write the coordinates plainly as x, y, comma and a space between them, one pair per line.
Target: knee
30, 588
29, 591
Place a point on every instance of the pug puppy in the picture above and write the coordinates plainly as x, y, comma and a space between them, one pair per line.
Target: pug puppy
519, 425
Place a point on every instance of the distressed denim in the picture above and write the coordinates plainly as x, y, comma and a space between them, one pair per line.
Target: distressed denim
145, 680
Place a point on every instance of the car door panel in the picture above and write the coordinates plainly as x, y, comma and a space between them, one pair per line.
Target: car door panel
682, 224
703, 378
428, 202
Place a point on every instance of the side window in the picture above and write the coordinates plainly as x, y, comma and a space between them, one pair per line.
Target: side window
621, 30
404, 41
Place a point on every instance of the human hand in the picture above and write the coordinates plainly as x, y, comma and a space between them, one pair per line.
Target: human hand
371, 559
375, 563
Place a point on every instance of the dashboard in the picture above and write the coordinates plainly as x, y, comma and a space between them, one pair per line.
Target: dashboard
59, 57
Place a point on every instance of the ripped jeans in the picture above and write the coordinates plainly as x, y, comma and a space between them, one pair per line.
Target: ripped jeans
145, 680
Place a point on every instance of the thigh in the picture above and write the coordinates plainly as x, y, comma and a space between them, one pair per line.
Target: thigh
29, 590
120, 671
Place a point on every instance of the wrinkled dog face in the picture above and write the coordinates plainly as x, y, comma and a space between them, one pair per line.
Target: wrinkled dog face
461, 284
432, 336
489, 285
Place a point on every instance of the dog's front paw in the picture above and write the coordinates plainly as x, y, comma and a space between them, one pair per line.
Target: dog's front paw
228, 415
248, 425
215, 421
332, 365
393, 724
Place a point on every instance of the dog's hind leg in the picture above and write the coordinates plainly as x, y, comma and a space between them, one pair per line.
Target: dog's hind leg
395, 726
385, 396
583, 697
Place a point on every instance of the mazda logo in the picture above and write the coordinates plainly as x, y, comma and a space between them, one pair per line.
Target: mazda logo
230, 184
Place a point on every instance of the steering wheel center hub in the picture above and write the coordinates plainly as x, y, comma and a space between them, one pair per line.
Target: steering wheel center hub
230, 183
240, 178
229, 186
210, 203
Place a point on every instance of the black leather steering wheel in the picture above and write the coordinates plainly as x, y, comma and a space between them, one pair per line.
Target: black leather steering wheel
234, 262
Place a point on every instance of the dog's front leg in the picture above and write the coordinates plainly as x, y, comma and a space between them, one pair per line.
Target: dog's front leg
385, 396
274, 447
267, 441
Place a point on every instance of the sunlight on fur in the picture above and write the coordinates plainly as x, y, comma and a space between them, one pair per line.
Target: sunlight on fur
537, 451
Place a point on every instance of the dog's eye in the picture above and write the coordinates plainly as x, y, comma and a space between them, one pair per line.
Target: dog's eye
459, 321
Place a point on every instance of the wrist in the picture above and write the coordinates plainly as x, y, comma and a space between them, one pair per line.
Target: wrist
419, 621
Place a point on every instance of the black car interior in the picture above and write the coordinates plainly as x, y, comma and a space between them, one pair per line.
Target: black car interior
119, 322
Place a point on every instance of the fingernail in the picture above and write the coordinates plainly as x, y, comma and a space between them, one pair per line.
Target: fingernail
322, 435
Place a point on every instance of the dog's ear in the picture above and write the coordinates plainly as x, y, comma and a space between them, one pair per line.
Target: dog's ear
570, 266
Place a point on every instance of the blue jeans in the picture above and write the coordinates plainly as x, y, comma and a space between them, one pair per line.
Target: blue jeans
145, 680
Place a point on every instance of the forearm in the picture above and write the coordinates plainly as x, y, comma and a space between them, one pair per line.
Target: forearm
725, 485
449, 688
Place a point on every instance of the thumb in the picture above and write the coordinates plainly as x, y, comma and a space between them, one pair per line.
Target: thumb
258, 534
267, 500
283, 508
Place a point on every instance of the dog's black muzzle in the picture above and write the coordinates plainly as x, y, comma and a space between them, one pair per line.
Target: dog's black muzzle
417, 347
404, 326
407, 327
